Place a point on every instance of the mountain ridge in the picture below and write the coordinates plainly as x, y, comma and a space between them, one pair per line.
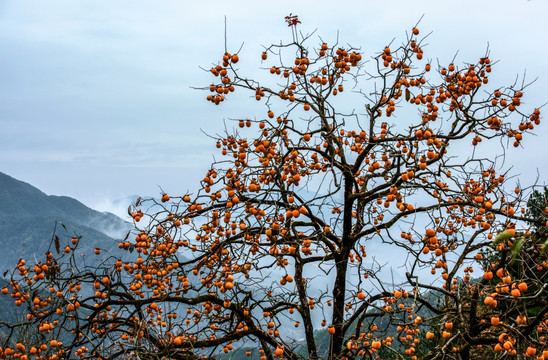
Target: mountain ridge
29, 216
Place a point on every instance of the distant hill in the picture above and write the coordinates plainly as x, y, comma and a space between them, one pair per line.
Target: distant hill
28, 217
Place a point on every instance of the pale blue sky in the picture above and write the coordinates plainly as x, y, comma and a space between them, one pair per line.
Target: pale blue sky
96, 100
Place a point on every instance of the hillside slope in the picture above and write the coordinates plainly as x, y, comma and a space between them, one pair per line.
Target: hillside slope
28, 218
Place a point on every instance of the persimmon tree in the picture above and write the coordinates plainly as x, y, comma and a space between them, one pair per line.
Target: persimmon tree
354, 151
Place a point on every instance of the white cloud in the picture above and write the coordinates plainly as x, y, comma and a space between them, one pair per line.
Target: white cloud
106, 84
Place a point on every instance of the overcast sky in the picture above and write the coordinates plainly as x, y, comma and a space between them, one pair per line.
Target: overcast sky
96, 100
